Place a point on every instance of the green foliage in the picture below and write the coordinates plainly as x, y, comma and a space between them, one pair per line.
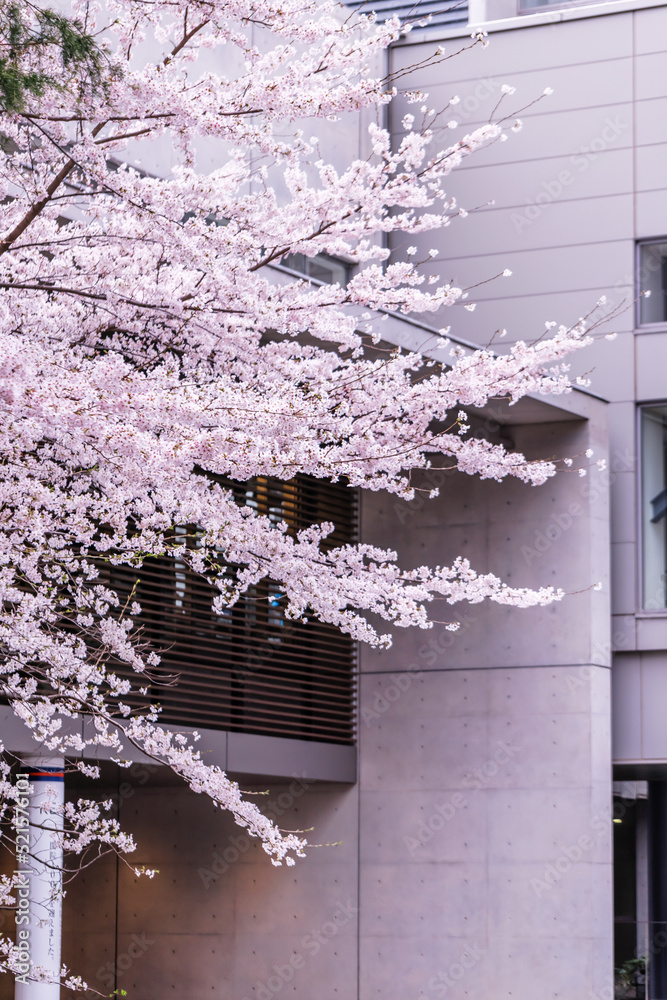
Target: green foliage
628, 977
27, 34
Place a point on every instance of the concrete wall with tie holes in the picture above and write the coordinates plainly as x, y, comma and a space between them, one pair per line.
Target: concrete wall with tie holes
485, 855
472, 857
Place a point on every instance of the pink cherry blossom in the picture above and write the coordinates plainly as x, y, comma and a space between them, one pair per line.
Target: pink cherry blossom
150, 343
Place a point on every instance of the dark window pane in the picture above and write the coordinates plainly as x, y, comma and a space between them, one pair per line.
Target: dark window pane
652, 278
654, 506
319, 268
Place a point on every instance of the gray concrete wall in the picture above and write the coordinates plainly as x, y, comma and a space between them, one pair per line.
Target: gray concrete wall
246, 929
219, 920
485, 852
475, 854
640, 714
572, 192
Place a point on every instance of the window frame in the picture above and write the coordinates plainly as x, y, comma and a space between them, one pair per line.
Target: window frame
639, 326
641, 610
556, 5
345, 265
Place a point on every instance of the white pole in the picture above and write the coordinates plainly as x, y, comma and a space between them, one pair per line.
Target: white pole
39, 896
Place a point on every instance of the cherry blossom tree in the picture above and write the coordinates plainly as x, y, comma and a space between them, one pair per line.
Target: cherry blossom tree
152, 348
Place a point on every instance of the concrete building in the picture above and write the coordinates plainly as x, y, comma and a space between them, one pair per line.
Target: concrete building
579, 211
472, 807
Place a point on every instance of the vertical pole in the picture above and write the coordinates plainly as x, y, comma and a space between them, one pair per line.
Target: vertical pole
42, 875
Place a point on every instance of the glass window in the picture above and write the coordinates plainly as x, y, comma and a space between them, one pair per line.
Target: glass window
441, 15
530, 6
654, 506
652, 277
328, 270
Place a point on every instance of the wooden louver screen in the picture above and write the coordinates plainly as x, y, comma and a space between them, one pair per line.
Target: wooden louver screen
248, 669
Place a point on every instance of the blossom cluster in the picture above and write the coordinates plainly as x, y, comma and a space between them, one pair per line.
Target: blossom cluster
150, 345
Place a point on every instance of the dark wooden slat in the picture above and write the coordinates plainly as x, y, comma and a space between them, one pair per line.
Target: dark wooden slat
248, 670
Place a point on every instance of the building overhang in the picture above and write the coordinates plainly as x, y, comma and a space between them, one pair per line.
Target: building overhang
239, 754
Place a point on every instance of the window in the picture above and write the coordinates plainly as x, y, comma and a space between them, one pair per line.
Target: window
531, 6
654, 506
441, 15
248, 668
652, 277
328, 270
